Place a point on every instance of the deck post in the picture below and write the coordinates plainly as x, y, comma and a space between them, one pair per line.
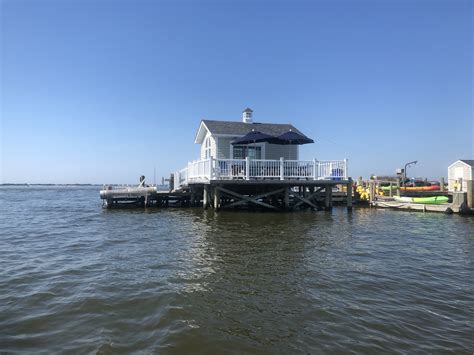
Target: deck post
470, 193
441, 184
315, 169
398, 186
247, 168
328, 198
282, 169
371, 191
286, 198
345, 169
205, 196
210, 167
349, 195
217, 197
390, 192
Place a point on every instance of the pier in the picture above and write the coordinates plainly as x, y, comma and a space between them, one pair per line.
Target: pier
277, 185
457, 201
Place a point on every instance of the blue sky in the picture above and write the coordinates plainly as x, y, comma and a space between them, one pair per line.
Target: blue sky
103, 91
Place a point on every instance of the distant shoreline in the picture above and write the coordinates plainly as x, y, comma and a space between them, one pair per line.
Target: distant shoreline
26, 184
100, 185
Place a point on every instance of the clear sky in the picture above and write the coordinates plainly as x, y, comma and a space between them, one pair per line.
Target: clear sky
102, 91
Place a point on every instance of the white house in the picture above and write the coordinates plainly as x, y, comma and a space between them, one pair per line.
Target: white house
221, 160
462, 169
215, 138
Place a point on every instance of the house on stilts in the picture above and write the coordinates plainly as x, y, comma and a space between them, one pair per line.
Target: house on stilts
266, 172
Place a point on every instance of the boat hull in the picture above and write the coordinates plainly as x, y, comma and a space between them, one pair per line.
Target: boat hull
432, 200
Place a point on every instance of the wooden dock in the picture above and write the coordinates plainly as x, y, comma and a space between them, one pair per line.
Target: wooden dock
459, 202
264, 194
388, 202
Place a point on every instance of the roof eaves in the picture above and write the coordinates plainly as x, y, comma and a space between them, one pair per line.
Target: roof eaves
202, 124
467, 161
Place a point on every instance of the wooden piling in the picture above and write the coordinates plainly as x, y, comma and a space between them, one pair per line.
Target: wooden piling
441, 184
470, 193
286, 198
205, 197
217, 202
371, 191
349, 195
328, 197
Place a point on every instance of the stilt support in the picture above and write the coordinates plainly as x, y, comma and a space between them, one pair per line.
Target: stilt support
328, 199
205, 197
349, 195
249, 199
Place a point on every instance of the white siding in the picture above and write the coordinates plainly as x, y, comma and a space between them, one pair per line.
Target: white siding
457, 170
277, 151
223, 147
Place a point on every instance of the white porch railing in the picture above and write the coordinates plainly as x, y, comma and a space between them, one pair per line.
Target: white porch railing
248, 169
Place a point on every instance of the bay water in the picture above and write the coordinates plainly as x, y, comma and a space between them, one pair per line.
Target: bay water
76, 278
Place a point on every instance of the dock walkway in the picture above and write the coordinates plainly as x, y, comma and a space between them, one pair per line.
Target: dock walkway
277, 195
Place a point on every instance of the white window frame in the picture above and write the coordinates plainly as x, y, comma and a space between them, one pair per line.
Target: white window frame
207, 147
261, 145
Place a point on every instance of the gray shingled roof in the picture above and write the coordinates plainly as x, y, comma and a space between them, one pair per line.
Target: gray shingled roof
241, 128
468, 161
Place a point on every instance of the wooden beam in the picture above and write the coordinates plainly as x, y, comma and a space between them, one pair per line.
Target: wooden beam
305, 200
244, 199
308, 199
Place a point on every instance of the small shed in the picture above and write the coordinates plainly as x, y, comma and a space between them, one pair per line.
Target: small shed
462, 169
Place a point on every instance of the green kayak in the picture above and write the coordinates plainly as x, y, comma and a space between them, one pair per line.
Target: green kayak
387, 188
433, 200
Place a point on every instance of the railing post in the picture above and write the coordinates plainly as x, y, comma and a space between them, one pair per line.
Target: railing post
345, 169
315, 169
247, 168
210, 168
282, 169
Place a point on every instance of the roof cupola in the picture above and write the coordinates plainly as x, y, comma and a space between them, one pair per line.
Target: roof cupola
247, 115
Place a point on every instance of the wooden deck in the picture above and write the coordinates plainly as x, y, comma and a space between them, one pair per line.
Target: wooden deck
271, 194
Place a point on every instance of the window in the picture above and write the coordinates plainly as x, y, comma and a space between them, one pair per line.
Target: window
207, 148
243, 151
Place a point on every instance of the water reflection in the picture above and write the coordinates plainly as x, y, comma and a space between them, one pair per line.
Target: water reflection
247, 271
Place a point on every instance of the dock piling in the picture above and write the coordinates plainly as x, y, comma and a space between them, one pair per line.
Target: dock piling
328, 198
205, 197
470, 193
349, 195
217, 198
286, 198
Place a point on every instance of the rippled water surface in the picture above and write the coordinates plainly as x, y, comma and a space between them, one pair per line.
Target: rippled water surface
76, 278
